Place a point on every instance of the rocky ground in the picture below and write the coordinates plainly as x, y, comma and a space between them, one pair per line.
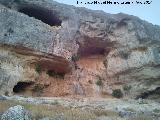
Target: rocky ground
121, 109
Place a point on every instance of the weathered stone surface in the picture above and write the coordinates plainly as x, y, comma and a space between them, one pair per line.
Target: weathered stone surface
16, 113
2, 98
59, 117
129, 48
46, 118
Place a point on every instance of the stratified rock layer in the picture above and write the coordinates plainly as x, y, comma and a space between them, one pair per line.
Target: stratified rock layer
82, 45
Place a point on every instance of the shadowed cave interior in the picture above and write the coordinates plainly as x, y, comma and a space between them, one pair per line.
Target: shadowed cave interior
45, 15
150, 94
21, 86
92, 47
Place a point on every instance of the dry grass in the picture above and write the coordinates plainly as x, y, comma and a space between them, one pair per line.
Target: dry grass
40, 111
141, 117
100, 112
141, 49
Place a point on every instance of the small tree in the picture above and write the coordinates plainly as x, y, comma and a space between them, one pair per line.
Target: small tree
99, 82
127, 88
53, 73
38, 68
75, 58
117, 93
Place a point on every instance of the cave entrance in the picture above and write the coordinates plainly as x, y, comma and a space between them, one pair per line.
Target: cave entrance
93, 46
45, 15
91, 50
150, 94
21, 87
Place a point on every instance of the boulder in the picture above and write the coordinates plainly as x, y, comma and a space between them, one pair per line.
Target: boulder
16, 113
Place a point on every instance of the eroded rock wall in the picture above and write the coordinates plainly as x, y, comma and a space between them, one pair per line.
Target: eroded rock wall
88, 46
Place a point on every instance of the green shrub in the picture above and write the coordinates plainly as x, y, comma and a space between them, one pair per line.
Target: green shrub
10, 30
127, 88
17, 1
156, 110
6, 93
5, 34
38, 68
124, 54
105, 63
117, 93
99, 82
75, 58
55, 102
53, 73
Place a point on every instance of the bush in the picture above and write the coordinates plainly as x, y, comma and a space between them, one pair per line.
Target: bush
156, 110
127, 88
124, 54
117, 93
75, 58
17, 1
38, 68
10, 30
51, 73
99, 82
6, 93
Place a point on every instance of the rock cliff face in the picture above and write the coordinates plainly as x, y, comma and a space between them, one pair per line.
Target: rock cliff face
52, 49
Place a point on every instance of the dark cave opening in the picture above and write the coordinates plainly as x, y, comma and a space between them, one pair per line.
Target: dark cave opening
149, 94
45, 15
93, 46
21, 86
91, 50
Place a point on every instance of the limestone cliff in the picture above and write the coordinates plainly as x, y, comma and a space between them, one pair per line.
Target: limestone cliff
52, 49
